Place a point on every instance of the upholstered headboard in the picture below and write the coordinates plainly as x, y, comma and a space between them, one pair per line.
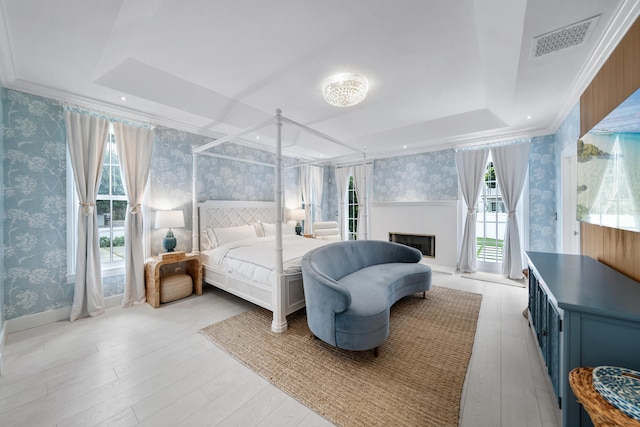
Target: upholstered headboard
225, 213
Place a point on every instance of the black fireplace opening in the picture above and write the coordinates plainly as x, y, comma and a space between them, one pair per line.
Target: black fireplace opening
425, 243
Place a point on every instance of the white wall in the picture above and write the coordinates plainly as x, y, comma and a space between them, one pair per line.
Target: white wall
440, 218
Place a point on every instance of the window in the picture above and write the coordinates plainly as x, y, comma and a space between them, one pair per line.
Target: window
491, 219
111, 207
352, 211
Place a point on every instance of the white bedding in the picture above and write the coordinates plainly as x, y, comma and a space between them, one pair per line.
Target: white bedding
254, 259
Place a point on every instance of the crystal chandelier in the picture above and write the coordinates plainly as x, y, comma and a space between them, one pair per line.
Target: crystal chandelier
345, 89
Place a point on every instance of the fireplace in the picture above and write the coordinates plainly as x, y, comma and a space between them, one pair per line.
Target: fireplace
425, 243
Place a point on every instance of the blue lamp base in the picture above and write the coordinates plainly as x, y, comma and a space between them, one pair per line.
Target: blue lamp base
169, 241
298, 229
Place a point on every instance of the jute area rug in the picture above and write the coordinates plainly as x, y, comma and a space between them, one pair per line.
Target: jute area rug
416, 380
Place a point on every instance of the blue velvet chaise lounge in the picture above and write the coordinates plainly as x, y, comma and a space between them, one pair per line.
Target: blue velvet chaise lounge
350, 287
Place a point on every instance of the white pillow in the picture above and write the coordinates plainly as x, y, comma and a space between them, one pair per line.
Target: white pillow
259, 229
206, 240
270, 229
212, 238
325, 224
231, 234
333, 237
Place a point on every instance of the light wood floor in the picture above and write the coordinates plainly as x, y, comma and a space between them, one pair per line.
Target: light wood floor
149, 367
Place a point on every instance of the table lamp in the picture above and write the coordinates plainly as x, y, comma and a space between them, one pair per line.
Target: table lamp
297, 215
169, 219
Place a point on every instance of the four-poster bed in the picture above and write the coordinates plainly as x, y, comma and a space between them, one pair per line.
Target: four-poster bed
282, 294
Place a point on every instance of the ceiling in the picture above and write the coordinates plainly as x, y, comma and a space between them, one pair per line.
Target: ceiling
441, 73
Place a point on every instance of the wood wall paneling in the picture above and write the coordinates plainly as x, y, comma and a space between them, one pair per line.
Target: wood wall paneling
619, 249
591, 240
618, 78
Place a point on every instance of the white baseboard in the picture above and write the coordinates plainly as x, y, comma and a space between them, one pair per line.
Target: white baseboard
51, 316
2, 340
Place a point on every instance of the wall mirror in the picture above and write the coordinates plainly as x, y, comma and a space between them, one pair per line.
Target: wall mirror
609, 169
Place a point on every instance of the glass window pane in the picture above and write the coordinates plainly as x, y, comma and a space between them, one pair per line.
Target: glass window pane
117, 187
103, 190
119, 212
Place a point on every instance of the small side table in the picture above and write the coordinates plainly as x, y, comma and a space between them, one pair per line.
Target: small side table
152, 275
602, 413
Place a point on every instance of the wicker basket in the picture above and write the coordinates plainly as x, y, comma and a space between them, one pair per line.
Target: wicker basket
602, 413
175, 286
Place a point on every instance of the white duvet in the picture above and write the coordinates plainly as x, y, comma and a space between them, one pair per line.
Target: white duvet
254, 259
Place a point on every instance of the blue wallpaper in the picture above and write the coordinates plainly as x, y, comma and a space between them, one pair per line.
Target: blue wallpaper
426, 176
542, 194
34, 198
224, 179
170, 182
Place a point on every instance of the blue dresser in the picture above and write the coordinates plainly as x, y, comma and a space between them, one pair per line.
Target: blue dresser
583, 313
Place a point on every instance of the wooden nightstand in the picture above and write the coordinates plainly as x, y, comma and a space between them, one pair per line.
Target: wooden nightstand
152, 275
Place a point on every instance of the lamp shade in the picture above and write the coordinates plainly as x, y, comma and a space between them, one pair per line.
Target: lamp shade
170, 219
297, 214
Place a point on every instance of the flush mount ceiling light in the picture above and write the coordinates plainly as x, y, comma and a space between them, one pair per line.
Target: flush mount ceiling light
345, 89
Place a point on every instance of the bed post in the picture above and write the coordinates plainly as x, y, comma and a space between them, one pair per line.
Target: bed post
279, 323
195, 226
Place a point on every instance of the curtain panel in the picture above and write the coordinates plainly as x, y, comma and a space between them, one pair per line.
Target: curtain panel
362, 175
317, 182
471, 166
511, 163
342, 184
305, 187
86, 141
134, 145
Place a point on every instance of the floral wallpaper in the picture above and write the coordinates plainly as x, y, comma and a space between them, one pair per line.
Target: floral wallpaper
170, 182
34, 211
542, 194
426, 176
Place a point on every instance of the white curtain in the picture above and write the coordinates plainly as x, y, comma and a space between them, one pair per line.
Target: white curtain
134, 146
317, 181
510, 163
362, 181
342, 183
471, 167
86, 139
305, 187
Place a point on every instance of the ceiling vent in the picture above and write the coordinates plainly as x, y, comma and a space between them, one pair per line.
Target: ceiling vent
571, 35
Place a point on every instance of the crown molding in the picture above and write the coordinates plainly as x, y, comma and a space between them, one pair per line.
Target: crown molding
624, 18
7, 62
